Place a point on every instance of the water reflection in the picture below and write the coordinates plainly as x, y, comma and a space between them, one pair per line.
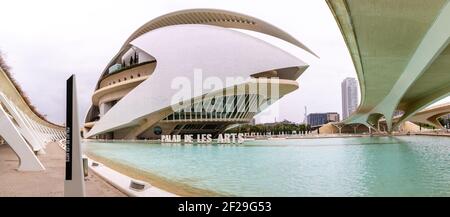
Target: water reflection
367, 166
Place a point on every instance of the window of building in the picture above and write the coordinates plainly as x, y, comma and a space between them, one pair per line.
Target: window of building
131, 77
178, 127
125, 78
139, 75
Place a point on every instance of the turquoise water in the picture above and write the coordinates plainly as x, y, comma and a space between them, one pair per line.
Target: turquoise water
377, 166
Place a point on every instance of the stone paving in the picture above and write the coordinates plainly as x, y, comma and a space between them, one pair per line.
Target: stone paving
48, 183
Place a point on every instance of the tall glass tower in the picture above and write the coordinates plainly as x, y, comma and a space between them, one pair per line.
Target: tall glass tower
349, 97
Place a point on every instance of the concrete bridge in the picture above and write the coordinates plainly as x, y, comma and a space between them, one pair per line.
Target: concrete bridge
429, 116
401, 54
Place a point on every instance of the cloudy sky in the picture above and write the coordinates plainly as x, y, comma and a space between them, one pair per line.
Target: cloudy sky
47, 41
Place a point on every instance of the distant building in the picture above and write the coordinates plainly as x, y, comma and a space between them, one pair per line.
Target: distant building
286, 122
319, 119
333, 117
276, 123
349, 97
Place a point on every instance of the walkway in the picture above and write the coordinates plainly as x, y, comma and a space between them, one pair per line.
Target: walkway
45, 183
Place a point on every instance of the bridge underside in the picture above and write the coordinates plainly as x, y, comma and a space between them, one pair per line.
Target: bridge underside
427, 117
430, 116
401, 53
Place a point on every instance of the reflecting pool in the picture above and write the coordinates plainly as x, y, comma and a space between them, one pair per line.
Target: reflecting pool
365, 166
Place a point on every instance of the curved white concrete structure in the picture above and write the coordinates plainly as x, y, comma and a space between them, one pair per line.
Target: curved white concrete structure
400, 50
21, 128
183, 53
431, 115
214, 17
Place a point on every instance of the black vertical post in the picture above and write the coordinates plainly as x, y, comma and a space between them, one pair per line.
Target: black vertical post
69, 120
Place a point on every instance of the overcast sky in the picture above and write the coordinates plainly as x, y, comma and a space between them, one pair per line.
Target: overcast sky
45, 41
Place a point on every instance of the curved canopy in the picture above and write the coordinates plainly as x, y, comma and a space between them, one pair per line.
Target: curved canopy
216, 17
11, 89
213, 17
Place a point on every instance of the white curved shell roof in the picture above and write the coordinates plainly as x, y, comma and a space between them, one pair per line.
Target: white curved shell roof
215, 17
180, 49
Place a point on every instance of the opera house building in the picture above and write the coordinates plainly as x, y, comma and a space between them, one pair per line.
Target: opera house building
138, 94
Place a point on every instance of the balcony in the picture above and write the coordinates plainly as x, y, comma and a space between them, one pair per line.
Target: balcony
128, 73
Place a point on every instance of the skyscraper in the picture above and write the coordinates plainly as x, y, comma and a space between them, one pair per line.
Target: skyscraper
349, 97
